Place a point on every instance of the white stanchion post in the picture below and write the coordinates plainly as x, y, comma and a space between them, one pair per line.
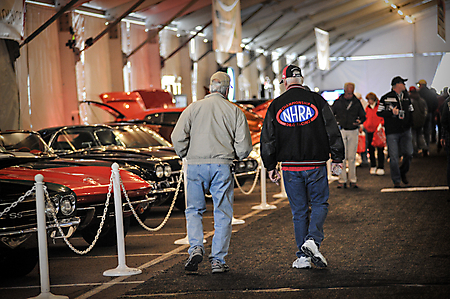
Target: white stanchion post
42, 240
122, 269
263, 205
184, 240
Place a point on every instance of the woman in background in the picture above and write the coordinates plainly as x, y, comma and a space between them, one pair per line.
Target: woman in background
371, 125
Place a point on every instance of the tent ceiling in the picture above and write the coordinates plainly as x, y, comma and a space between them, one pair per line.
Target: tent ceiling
291, 21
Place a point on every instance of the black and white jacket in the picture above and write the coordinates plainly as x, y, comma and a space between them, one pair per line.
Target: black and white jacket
300, 127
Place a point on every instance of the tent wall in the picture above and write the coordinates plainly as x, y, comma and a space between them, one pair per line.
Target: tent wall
398, 38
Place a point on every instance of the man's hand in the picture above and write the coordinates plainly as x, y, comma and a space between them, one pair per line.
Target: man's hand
274, 176
336, 168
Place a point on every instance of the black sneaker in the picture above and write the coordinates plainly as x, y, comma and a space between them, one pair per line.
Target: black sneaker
195, 258
218, 267
404, 179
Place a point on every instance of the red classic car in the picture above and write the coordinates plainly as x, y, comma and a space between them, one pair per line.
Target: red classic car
87, 178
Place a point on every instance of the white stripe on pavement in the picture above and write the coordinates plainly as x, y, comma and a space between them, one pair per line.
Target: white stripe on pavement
413, 189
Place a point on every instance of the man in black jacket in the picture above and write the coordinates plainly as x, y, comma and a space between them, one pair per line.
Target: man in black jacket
396, 109
349, 114
429, 128
301, 132
445, 138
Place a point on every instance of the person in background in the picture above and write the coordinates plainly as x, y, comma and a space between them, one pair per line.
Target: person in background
432, 102
419, 116
445, 138
364, 157
210, 134
396, 109
301, 132
373, 121
349, 114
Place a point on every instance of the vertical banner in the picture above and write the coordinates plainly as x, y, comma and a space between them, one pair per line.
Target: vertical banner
12, 19
323, 49
441, 19
227, 27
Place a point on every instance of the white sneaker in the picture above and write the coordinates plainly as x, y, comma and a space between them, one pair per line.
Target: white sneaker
302, 263
380, 171
310, 249
373, 170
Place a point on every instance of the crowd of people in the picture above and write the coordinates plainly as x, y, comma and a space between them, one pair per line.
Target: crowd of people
300, 133
410, 121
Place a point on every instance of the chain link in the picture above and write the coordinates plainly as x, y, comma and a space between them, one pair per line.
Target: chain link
258, 170
180, 179
105, 210
14, 204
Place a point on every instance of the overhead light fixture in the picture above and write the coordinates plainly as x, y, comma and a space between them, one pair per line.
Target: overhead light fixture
400, 12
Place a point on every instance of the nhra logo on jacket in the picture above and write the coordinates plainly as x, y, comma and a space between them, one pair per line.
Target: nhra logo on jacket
297, 114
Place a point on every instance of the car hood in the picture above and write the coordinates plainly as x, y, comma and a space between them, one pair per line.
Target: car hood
83, 180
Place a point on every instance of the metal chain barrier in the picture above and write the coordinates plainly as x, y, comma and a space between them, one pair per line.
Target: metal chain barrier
180, 179
253, 185
14, 204
55, 220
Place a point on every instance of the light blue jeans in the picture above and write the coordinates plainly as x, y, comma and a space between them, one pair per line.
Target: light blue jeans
304, 188
399, 144
218, 179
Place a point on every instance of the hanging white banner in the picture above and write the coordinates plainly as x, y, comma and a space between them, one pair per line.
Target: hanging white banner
227, 27
323, 49
12, 22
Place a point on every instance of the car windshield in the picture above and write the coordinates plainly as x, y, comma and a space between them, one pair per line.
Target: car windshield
22, 142
139, 137
163, 118
79, 138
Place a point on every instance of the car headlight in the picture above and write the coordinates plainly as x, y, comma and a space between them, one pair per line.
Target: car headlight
167, 170
67, 205
250, 165
159, 170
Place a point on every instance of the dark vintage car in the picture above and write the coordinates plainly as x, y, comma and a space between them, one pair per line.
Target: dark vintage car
160, 167
139, 136
88, 178
18, 222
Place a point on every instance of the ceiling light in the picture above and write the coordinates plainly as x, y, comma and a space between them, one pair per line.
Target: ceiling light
408, 19
198, 28
205, 40
400, 12
394, 6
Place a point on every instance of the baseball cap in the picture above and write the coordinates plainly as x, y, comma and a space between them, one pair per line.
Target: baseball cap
398, 79
412, 89
290, 71
222, 77
422, 81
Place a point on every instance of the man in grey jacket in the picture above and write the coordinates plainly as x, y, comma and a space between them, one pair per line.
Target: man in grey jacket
210, 134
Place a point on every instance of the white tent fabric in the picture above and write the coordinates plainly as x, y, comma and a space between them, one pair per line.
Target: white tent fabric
39, 74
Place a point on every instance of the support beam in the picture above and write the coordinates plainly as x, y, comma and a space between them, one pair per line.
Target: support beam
186, 7
48, 23
91, 41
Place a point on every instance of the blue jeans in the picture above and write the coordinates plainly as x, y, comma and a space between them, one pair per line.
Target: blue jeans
399, 144
304, 188
218, 179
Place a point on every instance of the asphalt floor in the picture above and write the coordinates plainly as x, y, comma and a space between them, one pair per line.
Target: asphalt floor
380, 242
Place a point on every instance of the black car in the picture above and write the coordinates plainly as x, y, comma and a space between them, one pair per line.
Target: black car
18, 219
160, 167
142, 137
